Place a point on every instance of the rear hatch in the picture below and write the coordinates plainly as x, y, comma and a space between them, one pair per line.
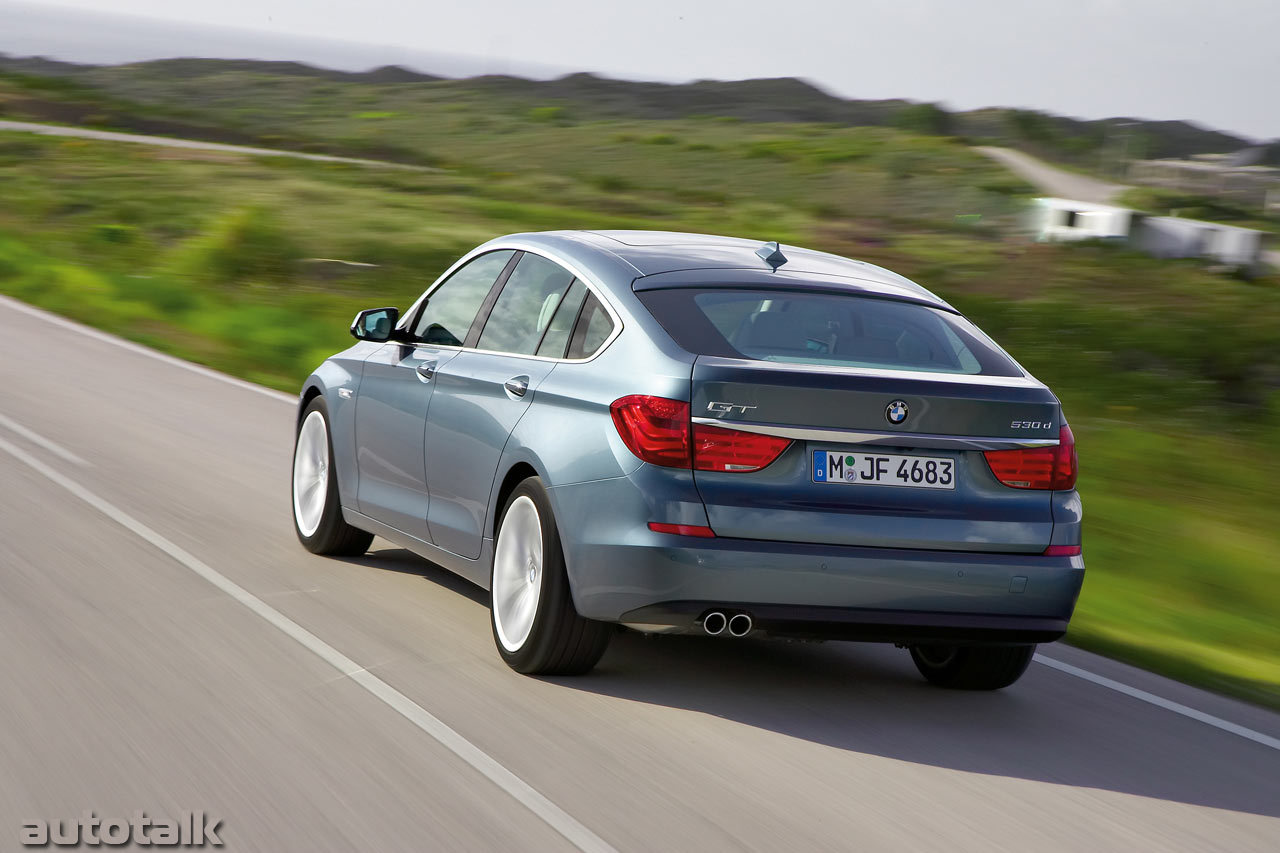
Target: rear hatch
889, 407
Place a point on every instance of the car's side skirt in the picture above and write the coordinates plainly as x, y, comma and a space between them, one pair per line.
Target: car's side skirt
476, 571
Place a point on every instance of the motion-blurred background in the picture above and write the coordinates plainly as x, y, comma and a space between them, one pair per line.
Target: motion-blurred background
1161, 337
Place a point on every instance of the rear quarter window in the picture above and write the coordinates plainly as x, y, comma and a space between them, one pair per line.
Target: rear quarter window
825, 328
592, 330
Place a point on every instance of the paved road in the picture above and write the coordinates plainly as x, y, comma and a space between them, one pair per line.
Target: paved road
169, 646
1052, 180
191, 144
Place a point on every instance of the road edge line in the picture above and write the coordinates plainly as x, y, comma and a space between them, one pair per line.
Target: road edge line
1160, 702
116, 340
557, 818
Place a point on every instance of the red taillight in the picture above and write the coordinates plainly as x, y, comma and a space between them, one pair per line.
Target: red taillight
658, 431
1038, 467
654, 428
717, 449
683, 529
1063, 551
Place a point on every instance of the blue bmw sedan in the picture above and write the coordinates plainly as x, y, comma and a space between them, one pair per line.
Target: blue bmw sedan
689, 433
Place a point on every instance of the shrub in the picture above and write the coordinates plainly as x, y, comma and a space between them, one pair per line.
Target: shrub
549, 113
246, 243
929, 119
109, 232
609, 183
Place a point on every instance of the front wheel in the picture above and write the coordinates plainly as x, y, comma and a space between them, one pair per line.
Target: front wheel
972, 667
317, 512
535, 625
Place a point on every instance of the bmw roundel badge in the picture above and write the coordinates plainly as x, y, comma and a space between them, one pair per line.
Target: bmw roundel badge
896, 412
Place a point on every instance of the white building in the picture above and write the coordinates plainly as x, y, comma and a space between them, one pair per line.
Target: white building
1056, 220
1173, 237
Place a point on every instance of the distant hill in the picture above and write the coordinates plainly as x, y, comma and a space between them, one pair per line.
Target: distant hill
186, 84
188, 68
781, 99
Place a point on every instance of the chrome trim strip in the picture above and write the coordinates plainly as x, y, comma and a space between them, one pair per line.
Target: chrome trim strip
891, 439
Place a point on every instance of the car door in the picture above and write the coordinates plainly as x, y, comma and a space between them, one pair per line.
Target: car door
396, 391
482, 393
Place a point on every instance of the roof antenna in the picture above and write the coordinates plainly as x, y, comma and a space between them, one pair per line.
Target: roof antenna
772, 255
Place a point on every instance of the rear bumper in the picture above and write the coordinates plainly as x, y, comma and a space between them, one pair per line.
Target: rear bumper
877, 594
620, 571
853, 623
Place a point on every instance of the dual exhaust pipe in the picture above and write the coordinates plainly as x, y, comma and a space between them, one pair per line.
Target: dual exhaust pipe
716, 623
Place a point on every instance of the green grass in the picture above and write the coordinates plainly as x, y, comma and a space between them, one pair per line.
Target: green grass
1170, 375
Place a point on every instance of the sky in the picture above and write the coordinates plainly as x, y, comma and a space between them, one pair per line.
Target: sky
1215, 63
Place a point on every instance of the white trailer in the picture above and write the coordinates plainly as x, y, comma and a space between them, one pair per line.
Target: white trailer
1059, 220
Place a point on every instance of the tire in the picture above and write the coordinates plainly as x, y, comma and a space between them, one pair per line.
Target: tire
317, 516
535, 626
972, 667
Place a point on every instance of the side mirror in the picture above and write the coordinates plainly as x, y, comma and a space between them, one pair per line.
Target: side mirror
375, 324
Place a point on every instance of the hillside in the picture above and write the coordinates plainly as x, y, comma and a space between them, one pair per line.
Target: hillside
203, 92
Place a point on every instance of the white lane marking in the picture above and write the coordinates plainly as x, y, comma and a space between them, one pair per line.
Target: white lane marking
1102, 681
36, 438
85, 331
1160, 702
555, 817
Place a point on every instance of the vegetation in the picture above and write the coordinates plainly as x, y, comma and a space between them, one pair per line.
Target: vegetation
1170, 375
294, 104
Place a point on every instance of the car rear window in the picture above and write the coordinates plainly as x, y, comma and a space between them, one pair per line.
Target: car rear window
825, 328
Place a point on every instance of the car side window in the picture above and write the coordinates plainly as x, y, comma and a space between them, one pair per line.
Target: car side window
452, 307
593, 329
524, 310
556, 340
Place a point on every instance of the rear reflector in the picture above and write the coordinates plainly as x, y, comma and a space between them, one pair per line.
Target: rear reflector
1062, 551
717, 449
1038, 467
683, 529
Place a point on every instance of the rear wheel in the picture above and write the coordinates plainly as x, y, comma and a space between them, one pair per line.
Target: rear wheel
972, 667
317, 512
535, 625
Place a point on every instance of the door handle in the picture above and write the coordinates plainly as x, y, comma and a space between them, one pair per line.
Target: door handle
516, 386
426, 370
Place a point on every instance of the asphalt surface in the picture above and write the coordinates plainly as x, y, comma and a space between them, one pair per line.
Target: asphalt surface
144, 509
1049, 179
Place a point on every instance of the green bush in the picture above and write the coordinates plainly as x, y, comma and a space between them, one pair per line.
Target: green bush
548, 113
247, 243
929, 119
115, 233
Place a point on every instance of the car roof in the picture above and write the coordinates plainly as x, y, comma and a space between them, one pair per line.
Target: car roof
655, 255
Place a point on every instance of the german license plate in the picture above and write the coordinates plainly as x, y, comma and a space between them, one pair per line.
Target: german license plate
884, 469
